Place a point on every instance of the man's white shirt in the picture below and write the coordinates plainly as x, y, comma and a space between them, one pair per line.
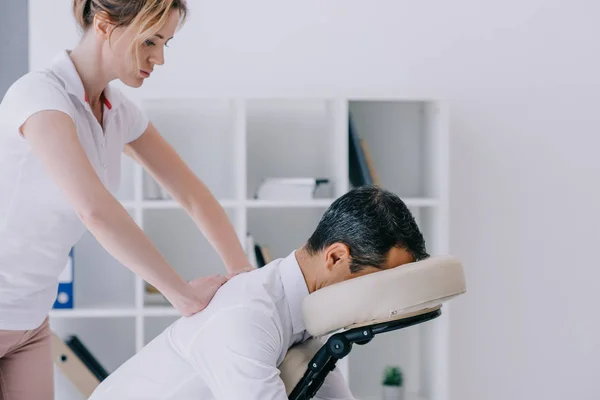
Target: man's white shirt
230, 350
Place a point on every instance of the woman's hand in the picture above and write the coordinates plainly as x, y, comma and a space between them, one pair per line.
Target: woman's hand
201, 291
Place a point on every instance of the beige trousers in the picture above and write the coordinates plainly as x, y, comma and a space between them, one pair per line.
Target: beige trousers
26, 368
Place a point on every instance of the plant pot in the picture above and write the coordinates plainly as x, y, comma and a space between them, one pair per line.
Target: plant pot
392, 392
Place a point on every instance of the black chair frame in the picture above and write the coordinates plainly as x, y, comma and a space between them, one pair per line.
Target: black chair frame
339, 346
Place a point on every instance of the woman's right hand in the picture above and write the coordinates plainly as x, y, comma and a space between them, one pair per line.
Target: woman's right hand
200, 293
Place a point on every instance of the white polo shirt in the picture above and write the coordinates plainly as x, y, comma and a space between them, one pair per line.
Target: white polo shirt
230, 350
38, 226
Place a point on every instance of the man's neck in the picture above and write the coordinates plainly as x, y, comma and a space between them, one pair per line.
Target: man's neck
307, 265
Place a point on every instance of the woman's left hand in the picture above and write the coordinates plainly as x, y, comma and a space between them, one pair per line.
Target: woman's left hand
202, 290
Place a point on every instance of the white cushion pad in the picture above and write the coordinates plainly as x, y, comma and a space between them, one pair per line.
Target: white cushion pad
396, 293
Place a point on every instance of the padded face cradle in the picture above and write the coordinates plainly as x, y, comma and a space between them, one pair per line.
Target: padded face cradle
368, 305
384, 295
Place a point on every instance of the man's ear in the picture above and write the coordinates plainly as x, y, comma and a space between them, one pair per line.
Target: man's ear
337, 255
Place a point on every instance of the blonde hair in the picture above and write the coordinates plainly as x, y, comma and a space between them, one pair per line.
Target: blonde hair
146, 17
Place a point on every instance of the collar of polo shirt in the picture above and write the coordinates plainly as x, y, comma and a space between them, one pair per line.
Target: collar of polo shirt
73, 84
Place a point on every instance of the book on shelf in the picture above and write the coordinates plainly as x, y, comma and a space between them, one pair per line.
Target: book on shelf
86, 357
289, 189
263, 255
258, 255
361, 169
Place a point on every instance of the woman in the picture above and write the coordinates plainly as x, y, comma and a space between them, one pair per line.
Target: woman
62, 132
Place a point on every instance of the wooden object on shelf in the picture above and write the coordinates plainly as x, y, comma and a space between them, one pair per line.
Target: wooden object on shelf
153, 296
151, 289
72, 367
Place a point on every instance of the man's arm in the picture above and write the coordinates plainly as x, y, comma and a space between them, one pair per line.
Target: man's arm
236, 353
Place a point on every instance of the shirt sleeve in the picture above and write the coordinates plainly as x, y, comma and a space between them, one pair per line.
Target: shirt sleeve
236, 353
137, 120
30, 94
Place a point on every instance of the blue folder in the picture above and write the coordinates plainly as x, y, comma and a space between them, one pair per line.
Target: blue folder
64, 297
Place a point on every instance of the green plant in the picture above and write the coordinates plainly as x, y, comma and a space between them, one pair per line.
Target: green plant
392, 376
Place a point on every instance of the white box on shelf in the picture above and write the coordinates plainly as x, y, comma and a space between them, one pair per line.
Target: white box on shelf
289, 188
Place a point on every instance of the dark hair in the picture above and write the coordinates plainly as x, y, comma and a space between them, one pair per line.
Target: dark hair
371, 221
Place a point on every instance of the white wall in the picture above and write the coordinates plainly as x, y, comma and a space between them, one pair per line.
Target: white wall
522, 81
13, 51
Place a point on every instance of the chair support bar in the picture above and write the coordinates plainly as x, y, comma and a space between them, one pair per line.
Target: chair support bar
339, 345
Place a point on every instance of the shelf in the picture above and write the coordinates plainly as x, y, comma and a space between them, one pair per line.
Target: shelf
232, 146
324, 203
170, 204
405, 143
93, 312
251, 203
188, 251
204, 134
93, 264
320, 203
407, 396
421, 202
110, 340
292, 138
158, 311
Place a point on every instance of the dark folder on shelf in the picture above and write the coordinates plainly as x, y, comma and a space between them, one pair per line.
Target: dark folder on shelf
358, 166
86, 357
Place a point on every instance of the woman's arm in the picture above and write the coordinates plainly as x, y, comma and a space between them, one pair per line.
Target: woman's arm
53, 139
165, 165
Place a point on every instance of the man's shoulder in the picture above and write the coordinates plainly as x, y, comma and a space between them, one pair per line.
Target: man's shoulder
262, 286
245, 315
240, 324
250, 296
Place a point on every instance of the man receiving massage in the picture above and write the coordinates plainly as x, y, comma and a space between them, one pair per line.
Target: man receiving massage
232, 349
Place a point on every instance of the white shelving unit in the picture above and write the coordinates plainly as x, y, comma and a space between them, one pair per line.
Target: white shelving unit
231, 144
